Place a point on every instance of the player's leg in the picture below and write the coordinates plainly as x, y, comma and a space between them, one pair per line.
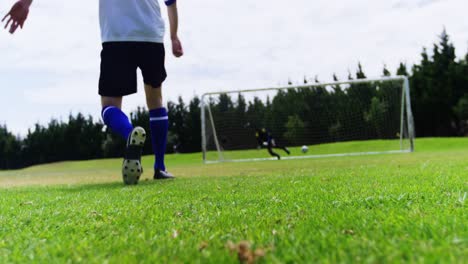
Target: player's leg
113, 116
283, 148
159, 125
151, 62
272, 141
270, 150
117, 79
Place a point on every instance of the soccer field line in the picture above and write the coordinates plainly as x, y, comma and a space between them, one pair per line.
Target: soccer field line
312, 156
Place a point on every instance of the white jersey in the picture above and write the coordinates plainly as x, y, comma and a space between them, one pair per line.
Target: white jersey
131, 20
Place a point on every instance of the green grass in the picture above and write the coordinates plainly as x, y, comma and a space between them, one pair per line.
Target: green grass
378, 209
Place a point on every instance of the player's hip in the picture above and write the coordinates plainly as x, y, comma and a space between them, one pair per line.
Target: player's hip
120, 60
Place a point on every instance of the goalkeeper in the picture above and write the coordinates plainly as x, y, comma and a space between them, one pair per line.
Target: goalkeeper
265, 139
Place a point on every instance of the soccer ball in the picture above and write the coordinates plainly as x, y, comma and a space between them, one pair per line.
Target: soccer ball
304, 149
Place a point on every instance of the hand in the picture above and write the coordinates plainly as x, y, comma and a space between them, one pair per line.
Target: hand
177, 47
17, 16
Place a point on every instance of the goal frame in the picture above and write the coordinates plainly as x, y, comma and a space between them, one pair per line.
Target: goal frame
405, 102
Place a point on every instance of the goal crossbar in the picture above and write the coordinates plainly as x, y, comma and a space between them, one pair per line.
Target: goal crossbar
358, 81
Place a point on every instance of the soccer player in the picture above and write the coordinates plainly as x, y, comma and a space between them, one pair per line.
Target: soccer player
132, 35
265, 139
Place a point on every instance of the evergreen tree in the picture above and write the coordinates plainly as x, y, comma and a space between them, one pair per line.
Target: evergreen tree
360, 73
402, 70
434, 90
386, 72
10, 148
193, 143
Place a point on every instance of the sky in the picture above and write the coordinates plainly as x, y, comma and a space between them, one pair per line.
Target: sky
51, 68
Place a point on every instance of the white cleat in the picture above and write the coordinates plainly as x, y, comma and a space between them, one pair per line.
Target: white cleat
131, 166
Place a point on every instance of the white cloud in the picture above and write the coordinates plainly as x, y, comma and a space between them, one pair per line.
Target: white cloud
53, 63
62, 95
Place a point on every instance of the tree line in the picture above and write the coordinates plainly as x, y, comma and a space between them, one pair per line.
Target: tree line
439, 93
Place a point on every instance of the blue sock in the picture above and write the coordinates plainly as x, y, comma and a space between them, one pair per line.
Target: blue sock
159, 125
117, 121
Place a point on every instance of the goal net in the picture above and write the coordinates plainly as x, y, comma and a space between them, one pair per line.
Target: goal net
357, 117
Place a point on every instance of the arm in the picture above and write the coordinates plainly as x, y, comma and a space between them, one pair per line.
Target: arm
174, 25
17, 15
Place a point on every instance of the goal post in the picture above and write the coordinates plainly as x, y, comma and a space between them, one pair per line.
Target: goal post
344, 118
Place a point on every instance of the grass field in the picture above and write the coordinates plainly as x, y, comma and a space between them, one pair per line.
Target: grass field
377, 209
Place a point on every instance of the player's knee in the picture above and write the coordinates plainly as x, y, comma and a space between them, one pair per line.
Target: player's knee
153, 97
111, 101
154, 103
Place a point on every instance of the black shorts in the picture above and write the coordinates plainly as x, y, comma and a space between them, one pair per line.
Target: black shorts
119, 63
